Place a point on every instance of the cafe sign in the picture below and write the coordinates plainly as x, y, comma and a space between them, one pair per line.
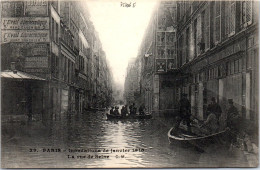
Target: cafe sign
25, 36
25, 23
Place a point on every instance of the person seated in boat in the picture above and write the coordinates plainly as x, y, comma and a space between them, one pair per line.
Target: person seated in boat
210, 125
133, 110
116, 111
126, 109
214, 107
184, 112
141, 110
123, 111
111, 110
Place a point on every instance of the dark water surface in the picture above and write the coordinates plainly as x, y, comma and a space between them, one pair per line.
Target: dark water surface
134, 143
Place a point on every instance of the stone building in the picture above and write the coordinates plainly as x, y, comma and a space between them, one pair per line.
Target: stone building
213, 53
132, 86
53, 42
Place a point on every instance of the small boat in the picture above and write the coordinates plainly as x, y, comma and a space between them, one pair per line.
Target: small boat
146, 116
199, 141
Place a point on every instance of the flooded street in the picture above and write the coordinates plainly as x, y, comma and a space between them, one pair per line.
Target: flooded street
89, 140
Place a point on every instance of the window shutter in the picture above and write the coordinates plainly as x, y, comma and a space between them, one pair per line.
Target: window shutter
217, 30
199, 37
227, 16
232, 18
207, 28
249, 12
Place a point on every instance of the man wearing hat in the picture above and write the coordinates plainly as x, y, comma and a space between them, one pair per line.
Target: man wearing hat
184, 112
232, 121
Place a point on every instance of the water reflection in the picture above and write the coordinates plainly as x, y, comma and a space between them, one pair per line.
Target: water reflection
92, 131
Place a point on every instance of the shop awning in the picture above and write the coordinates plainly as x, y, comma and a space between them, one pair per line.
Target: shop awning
19, 75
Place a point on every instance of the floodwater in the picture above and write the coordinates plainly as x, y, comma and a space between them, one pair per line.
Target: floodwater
89, 140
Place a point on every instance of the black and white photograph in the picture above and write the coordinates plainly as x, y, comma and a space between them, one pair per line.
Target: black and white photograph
129, 84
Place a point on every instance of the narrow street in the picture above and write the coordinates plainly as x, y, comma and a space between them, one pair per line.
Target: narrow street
134, 143
186, 72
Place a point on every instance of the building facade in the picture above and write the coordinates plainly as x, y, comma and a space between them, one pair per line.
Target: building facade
56, 41
204, 49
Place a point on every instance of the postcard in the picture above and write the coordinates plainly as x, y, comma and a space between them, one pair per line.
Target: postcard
129, 84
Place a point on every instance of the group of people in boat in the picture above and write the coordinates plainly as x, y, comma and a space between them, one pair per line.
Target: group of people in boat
127, 111
213, 115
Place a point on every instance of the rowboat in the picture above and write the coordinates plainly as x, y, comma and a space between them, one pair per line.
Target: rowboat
199, 141
146, 116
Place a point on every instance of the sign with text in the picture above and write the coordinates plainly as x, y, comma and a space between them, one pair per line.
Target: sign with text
25, 36
25, 23
29, 49
36, 8
36, 62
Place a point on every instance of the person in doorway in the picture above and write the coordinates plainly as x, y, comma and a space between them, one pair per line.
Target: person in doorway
184, 108
214, 108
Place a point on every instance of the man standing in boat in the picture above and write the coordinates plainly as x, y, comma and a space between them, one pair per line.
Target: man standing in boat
232, 121
184, 108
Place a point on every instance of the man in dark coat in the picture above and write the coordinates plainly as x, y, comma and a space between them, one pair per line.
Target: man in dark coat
232, 121
184, 112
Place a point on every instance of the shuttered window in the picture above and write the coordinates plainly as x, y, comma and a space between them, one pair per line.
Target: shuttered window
232, 18
199, 36
217, 27
207, 28
247, 13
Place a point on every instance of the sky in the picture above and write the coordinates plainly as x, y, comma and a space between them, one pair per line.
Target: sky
120, 30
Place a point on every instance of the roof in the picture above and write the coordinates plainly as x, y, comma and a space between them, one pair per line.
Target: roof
19, 75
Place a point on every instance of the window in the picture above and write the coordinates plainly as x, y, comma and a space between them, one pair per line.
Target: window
187, 45
217, 28
247, 12
52, 28
231, 17
236, 66
57, 33
207, 28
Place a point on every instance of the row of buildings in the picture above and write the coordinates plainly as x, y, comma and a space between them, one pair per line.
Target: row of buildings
204, 49
52, 61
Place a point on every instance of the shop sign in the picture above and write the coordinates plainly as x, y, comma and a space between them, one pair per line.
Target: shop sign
25, 23
30, 49
36, 8
25, 36
36, 62
36, 70
160, 65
